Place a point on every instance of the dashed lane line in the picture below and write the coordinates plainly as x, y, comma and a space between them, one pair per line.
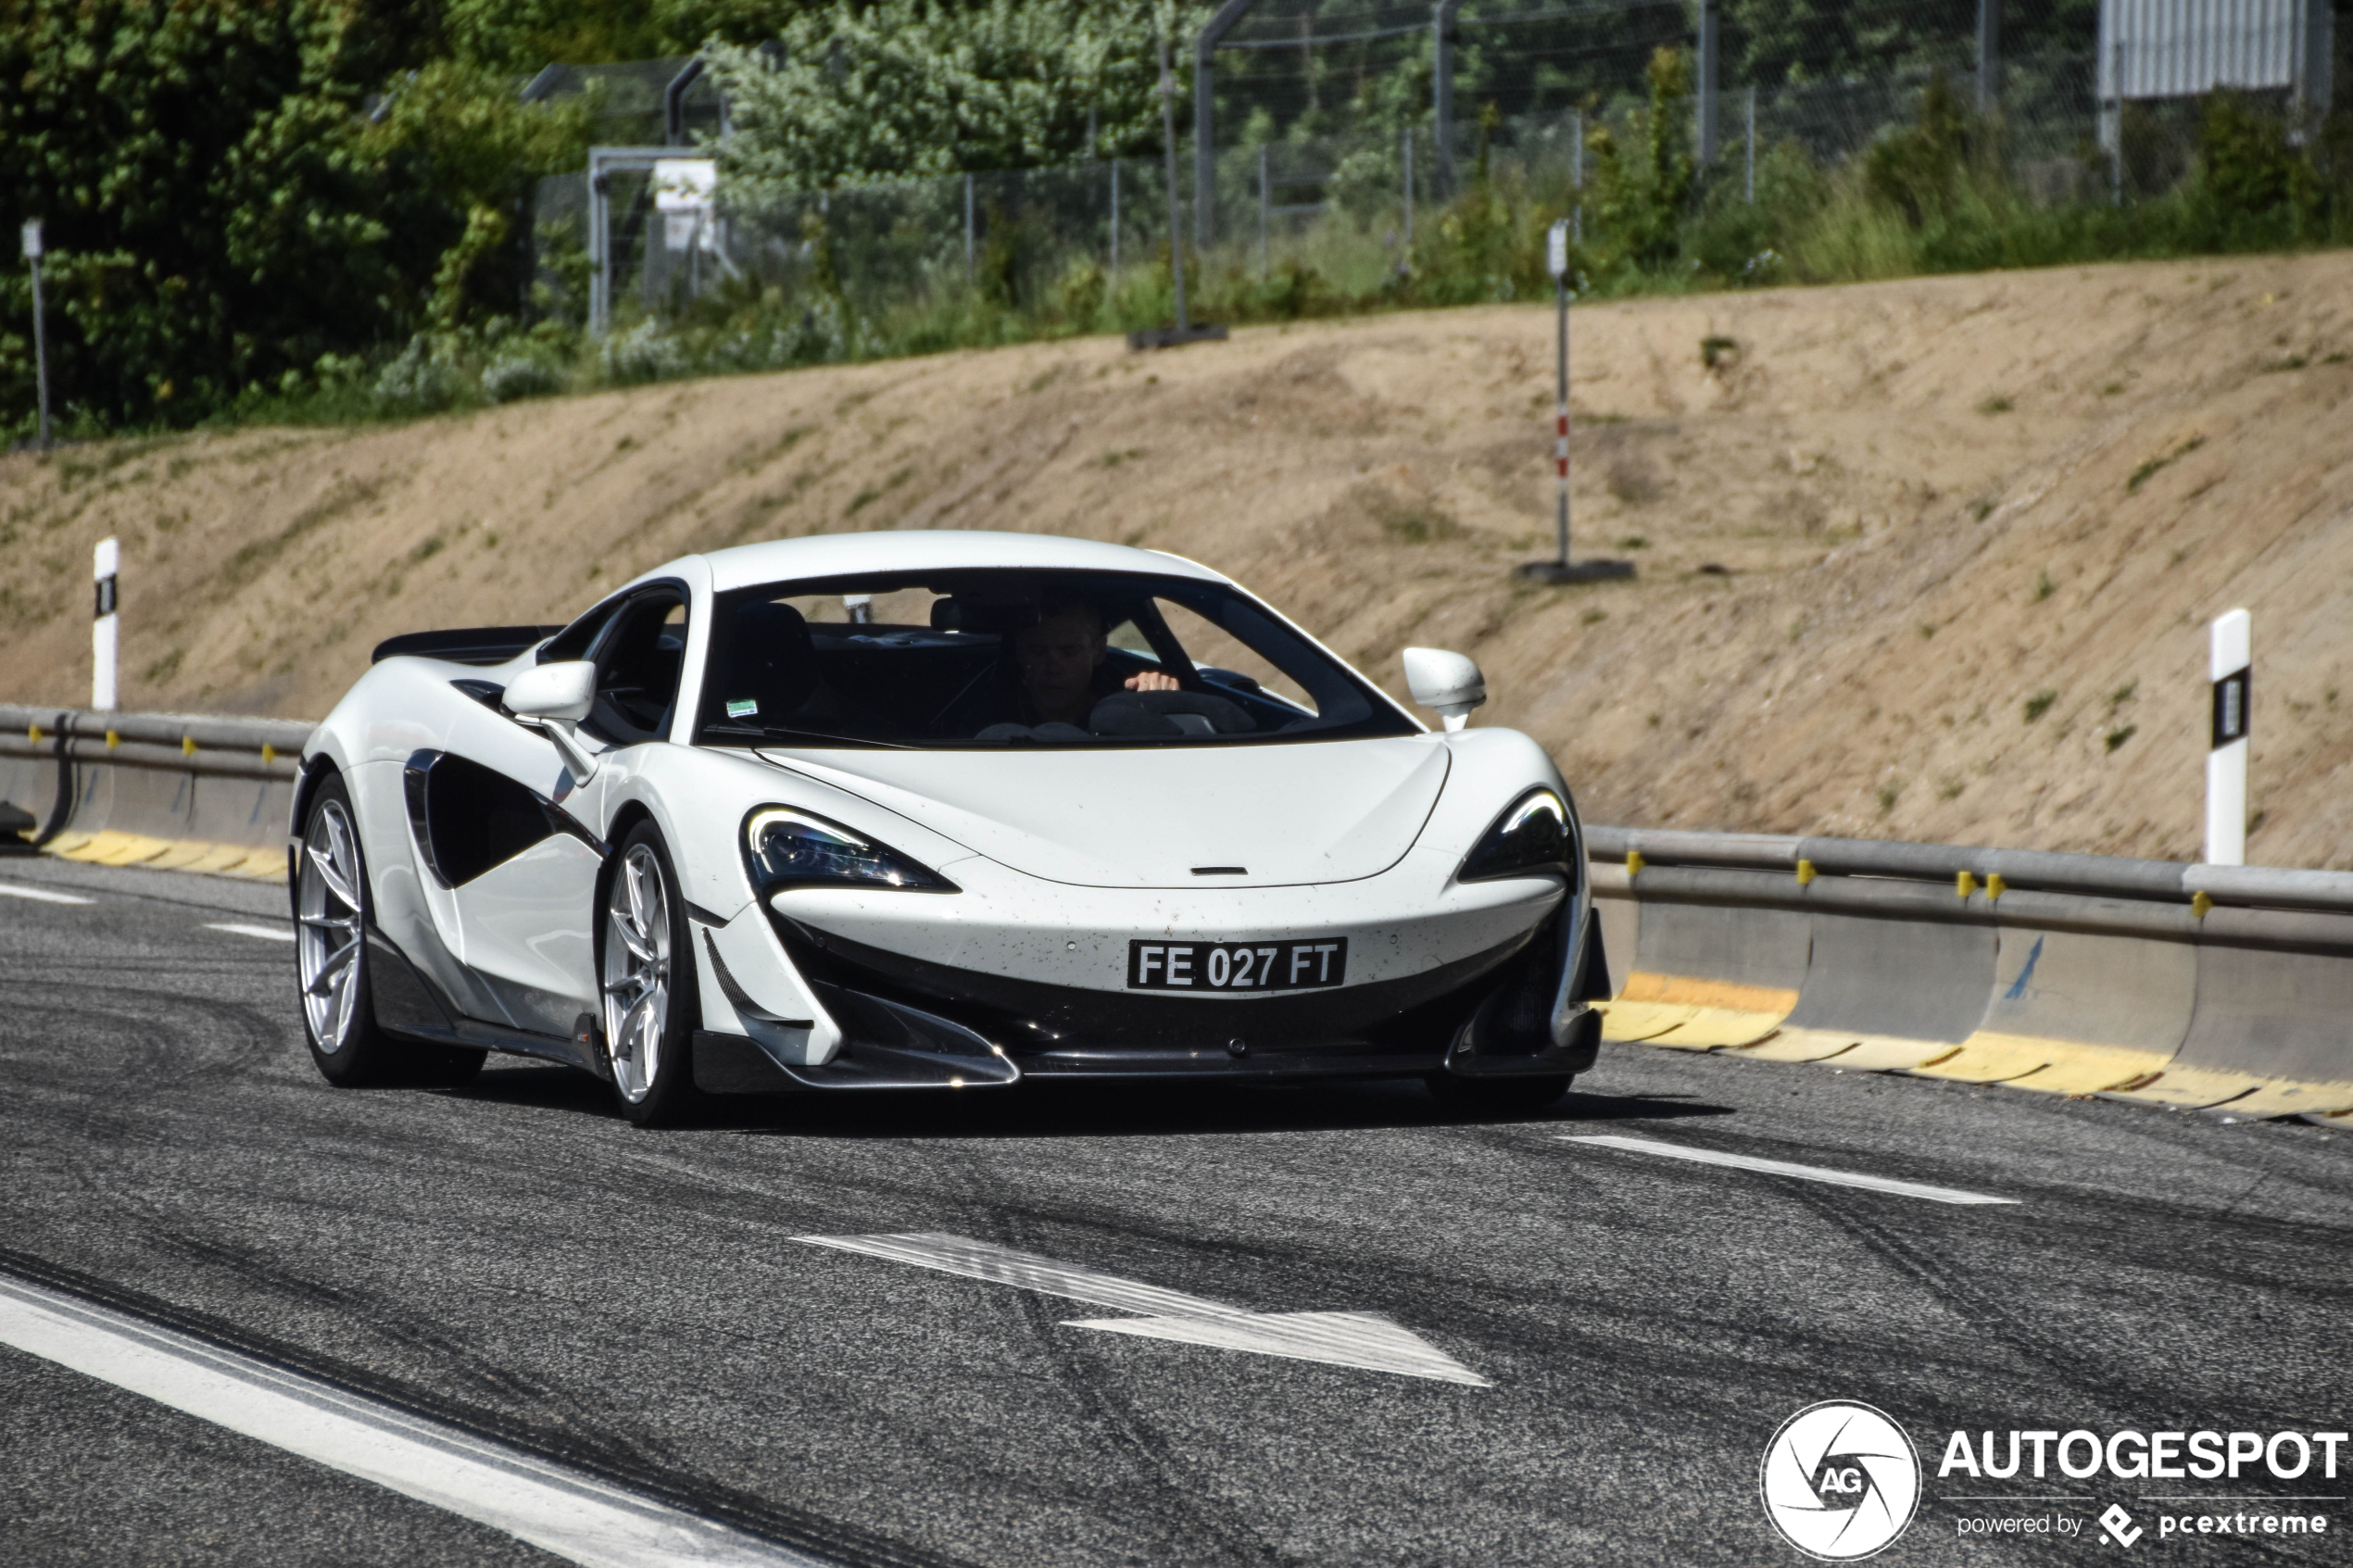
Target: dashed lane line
561, 1511
1784, 1168
41, 895
267, 932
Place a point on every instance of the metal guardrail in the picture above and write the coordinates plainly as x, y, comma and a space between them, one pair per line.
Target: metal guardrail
2100, 876
186, 743
271, 749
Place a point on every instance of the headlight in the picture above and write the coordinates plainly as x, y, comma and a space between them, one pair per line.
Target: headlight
1530, 837
788, 849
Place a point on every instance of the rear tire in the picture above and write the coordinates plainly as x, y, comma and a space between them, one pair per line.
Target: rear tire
330, 950
647, 959
331, 946
1496, 1095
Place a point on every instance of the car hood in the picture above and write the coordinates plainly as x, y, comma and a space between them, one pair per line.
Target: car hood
1309, 812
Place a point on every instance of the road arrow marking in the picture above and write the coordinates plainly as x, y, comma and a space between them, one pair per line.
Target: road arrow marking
1354, 1340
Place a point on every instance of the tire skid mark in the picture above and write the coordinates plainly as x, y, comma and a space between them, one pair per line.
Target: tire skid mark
1987, 1310
606, 1456
1171, 1506
100, 1130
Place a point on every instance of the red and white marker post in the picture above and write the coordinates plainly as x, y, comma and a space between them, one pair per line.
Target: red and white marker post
1560, 569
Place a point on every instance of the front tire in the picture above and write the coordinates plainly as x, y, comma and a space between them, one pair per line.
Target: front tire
650, 988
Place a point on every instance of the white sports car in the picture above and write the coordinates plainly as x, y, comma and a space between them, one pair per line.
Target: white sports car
899, 810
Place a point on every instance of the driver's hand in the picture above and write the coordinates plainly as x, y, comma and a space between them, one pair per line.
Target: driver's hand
1152, 680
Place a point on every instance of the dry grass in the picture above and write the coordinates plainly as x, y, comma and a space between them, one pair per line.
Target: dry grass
1842, 568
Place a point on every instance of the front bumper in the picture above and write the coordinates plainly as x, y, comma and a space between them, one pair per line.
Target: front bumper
1478, 980
908, 1019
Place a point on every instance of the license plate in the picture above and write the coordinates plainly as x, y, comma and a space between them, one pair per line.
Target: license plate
1237, 966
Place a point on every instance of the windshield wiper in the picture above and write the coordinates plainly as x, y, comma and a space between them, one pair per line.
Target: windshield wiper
780, 733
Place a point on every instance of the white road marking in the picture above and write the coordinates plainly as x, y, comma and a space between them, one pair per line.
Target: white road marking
561, 1511
267, 932
1353, 1339
19, 890
1784, 1168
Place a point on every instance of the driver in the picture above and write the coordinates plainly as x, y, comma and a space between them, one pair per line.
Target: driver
1061, 662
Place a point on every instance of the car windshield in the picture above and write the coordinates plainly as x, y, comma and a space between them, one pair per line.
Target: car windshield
1000, 659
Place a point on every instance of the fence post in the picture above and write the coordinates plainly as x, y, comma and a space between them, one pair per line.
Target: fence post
1264, 202
970, 237
1204, 152
1705, 88
1176, 206
1442, 106
1577, 171
1748, 174
1989, 55
1409, 165
1115, 215
599, 243
1205, 141
39, 334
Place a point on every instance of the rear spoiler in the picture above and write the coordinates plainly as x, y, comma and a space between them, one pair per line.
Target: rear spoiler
466, 644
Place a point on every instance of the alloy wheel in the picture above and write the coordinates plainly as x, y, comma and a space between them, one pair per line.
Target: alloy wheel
330, 937
637, 980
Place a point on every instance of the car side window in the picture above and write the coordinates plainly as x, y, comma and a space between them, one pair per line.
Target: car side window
637, 665
575, 640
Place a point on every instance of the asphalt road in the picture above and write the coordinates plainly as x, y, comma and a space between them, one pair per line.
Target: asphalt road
513, 1258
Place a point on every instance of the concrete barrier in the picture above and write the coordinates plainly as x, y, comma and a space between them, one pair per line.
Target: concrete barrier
167, 791
1889, 988
2272, 1034
2088, 994
1715, 962
2226, 988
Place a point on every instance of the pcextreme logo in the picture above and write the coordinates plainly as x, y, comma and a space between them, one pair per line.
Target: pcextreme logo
1840, 1481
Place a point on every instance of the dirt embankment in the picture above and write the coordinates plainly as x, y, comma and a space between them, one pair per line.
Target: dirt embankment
1929, 559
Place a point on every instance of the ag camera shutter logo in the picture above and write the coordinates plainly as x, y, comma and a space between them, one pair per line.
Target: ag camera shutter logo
1840, 1481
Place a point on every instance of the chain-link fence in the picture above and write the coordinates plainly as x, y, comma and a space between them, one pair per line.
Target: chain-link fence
1329, 161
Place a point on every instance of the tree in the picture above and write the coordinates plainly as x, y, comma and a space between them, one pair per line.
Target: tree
220, 207
901, 88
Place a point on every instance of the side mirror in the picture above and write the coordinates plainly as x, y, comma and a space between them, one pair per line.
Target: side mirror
553, 699
563, 691
1445, 680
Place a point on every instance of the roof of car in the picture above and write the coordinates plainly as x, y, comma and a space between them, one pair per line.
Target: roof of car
842, 555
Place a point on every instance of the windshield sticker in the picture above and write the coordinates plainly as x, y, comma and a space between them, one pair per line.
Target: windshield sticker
743, 707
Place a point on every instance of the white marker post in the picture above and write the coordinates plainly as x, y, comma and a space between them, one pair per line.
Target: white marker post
1559, 569
103, 630
2229, 665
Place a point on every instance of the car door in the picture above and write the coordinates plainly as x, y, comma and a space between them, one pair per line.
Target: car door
514, 830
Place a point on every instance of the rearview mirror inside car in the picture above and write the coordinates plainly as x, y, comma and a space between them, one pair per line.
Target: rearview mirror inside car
1447, 681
